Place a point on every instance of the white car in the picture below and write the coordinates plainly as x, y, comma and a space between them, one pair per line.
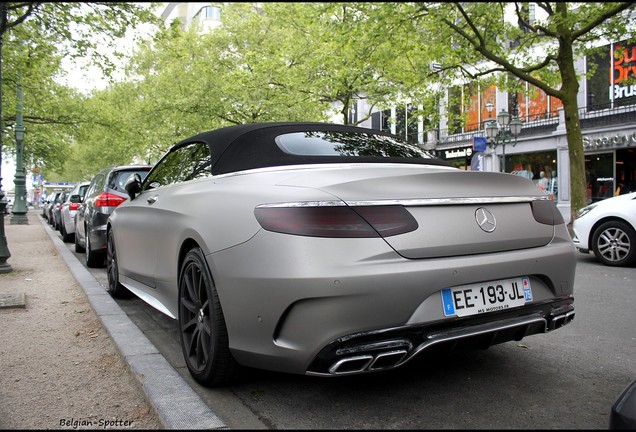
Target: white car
608, 228
67, 213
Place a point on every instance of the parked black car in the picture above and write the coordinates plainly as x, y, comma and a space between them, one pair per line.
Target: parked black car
103, 195
623, 413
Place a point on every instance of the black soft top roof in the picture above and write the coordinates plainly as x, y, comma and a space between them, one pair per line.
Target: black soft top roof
249, 146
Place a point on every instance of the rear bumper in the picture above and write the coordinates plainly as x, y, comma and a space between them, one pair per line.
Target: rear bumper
391, 348
68, 220
97, 232
291, 303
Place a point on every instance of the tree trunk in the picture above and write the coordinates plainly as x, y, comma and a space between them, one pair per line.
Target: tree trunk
570, 89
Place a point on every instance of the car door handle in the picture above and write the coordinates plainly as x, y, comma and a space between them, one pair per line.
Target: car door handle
152, 199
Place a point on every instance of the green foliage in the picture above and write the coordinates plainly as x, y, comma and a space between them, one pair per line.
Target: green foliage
501, 40
278, 62
36, 36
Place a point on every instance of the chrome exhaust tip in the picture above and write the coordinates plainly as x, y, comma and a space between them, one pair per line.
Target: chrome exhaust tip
350, 365
368, 363
387, 360
561, 320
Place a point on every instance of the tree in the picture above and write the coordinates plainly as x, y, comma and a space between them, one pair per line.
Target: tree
62, 29
478, 40
341, 52
37, 35
188, 81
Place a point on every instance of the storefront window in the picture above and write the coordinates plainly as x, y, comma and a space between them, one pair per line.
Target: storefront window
599, 175
458, 157
540, 167
625, 171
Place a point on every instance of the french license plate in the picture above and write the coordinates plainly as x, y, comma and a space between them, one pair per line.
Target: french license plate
485, 297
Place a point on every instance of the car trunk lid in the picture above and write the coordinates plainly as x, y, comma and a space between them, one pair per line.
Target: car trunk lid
458, 212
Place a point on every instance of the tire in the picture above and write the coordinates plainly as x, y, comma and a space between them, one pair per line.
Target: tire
115, 289
66, 237
614, 243
94, 259
78, 247
202, 329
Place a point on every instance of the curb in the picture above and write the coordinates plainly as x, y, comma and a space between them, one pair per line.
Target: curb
176, 403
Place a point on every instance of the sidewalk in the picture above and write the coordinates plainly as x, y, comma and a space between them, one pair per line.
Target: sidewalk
70, 357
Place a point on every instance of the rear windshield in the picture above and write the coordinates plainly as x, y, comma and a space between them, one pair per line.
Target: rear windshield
334, 143
119, 179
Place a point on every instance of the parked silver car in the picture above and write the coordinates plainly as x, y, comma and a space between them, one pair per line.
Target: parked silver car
68, 209
332, 250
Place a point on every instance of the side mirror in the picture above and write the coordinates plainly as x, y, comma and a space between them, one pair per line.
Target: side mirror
133, 185
75, 198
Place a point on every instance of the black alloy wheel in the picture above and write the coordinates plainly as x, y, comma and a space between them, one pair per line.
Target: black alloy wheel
202, 329
614, 243
114, 288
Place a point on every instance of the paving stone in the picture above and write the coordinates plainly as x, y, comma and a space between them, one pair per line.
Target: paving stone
12, 301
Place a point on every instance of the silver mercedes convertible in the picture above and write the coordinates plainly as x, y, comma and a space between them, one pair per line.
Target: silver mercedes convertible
330, 250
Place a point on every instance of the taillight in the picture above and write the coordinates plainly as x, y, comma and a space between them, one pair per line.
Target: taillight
546, 212
337, 221
108, 200
73, 206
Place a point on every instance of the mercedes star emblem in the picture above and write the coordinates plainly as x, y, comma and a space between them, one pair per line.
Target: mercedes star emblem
485, 219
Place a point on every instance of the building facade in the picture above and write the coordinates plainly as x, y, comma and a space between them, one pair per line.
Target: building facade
205, 15
540, 152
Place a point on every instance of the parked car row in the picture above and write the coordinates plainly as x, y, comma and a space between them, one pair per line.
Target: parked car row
80, 214
47, 208
307, 220
105, 192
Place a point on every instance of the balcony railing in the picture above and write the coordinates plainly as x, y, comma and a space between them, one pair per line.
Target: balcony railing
535, 124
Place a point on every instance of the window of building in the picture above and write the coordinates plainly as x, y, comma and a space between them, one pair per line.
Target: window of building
211, 12
406, 123
381, 120
534, 104
599, 175
468, 106
612, 81
536, 167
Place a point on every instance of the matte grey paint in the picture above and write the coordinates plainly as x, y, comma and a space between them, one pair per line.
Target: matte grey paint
285, 297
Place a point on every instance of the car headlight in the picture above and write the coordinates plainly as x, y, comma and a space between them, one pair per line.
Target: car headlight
585, 210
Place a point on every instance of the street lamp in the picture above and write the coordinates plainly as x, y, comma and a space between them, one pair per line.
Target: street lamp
19, 209
5, 267
502, 131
